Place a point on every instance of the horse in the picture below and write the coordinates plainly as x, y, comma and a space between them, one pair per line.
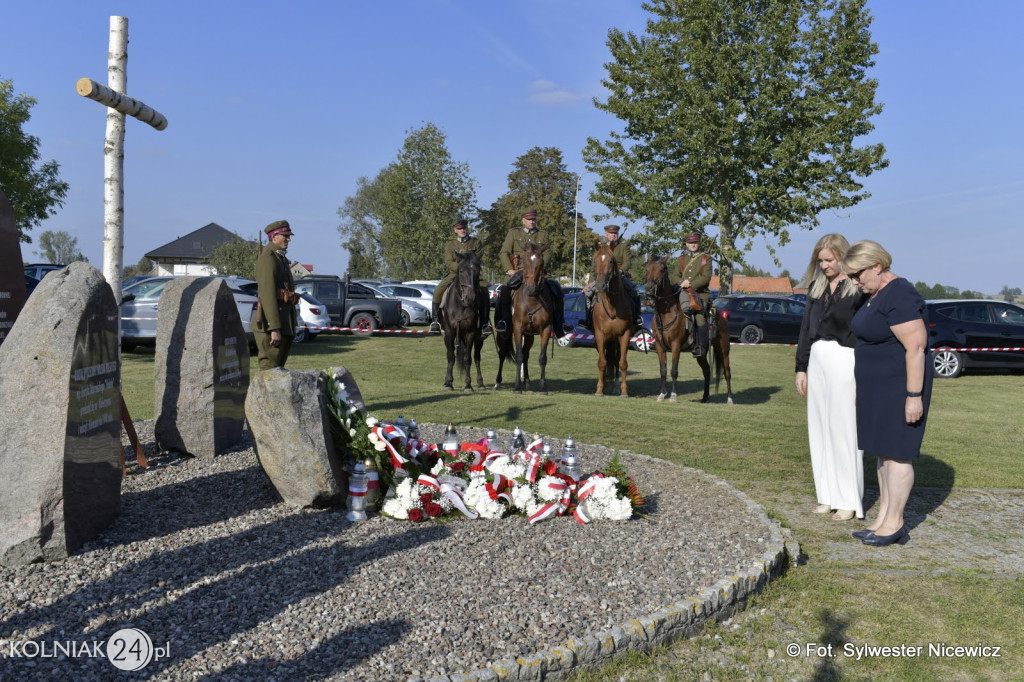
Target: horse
461, 321
613, 319
672, 331
532, 315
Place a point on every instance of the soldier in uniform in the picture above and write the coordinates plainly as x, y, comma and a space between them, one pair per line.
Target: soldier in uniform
461, 243
274, 327
620, 250
511, 254
692, 273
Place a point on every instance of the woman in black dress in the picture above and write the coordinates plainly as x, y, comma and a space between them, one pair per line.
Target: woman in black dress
893, 384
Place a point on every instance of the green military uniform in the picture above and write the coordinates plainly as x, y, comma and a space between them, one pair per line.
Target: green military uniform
272, 276
623, 257
695, 267
515, 241
453, 246
514, 245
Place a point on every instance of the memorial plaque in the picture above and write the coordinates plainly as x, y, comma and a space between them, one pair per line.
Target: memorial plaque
60, 386
202, 368
12, 278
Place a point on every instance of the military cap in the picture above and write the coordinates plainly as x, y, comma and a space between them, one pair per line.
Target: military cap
278, 227
611, 228
460, 223
530, 214
693, 239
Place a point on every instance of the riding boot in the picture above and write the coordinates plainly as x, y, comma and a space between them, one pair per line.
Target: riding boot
701, 345
503, 311
638, 322
435, 315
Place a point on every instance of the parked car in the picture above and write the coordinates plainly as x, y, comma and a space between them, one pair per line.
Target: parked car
412, 311
756, 318
428, 284
351, 304
128, 281
312, 317
30, 284
414, 294
495, 293
974, 323
140, 303
575, 312
39, 270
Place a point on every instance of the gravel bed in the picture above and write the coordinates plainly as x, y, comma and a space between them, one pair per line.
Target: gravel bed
207, 561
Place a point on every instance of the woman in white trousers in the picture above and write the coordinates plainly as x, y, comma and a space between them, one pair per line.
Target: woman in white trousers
824, 375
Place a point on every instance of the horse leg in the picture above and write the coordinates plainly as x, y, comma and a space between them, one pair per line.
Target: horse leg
722, 364
466, 360
675, 370
449, 344
518, 342
602, 362
623, 363
705, 369
543, 359
477, 345
501, 345
663, 366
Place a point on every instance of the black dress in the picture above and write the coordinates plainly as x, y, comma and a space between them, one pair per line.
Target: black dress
881, 373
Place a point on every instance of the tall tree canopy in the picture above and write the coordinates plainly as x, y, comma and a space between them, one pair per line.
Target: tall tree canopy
539, 180
740, 115
34, 189
405, 215
59, 247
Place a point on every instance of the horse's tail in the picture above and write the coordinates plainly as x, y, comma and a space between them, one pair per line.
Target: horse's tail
716, 352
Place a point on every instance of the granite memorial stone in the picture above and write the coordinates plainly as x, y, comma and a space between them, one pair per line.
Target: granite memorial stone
287, 414
60, 434
12, 277
201, 368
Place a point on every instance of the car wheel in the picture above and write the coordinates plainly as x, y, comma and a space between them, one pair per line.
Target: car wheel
405, 319
751, 334
644, 341
566, 341
363, 324
947, 364
301, 336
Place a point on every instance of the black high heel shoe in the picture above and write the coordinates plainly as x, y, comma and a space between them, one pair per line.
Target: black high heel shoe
861, 534
901, 536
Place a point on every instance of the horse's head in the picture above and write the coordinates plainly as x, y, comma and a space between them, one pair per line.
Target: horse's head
533, 267
605, 267
657, 277
466, 276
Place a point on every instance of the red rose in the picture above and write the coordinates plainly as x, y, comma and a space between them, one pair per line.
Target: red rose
457, 466
416, 515
426, 498
433, 509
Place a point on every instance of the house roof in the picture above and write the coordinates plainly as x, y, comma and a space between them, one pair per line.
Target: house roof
195, 246
756, 285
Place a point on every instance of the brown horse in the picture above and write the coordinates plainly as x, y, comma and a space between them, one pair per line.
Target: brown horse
613, 319
461, 321
672, 331
532, 315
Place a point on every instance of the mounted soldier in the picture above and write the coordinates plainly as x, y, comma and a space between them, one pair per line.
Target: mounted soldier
511, 259
620, 250
691, 273
462, 242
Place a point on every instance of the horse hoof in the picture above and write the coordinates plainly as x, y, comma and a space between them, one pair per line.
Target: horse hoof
448, 388
661, 398
729, 401
673, 398
705, 399
467, 389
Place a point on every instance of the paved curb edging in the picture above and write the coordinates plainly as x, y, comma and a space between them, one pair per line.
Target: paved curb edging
680, 619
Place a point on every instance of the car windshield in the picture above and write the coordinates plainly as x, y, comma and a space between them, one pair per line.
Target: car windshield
150, 288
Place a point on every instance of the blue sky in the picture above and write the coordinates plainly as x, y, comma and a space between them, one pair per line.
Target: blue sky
275, 109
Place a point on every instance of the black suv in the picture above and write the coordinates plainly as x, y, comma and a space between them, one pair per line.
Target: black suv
755, 318
956, 326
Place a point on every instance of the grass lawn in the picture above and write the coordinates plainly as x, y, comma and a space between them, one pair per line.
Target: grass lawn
759, 445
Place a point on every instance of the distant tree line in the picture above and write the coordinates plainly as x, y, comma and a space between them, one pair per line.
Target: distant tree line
944, 291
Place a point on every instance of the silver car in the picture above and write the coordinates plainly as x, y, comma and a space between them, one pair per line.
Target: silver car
416, 304
140, 303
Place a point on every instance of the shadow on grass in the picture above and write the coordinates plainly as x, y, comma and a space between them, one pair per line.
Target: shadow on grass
834, 636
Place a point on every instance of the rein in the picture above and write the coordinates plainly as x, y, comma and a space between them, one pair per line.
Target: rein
663, 293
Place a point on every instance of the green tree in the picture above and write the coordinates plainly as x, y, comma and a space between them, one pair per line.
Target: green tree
34, 189
419, 196
59, 247
1009, 294
738, 114
360, 230
143, 267
539, 180
236, 258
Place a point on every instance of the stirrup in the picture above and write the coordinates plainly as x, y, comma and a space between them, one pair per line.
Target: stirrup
435, 327
486, 328
500, 328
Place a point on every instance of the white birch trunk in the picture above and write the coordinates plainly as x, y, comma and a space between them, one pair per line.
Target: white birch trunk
113, 159
87, 87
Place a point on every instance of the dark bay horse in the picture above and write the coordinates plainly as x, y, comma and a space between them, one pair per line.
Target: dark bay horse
461, 321
532, 310
613, 319
672, 331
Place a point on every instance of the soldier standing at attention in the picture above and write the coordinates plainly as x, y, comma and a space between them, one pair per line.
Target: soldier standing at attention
274, 327
511, 256
692, 272
620, 250
461, 243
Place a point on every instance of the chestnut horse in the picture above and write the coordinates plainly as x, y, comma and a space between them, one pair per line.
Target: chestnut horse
461, 319
613, 319
532, 315
673, 331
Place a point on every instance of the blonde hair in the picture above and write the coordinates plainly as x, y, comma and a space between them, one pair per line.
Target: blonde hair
865, 254
814, 279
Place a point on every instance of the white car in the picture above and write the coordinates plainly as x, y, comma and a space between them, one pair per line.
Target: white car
312, 317
428, 284
416, 294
